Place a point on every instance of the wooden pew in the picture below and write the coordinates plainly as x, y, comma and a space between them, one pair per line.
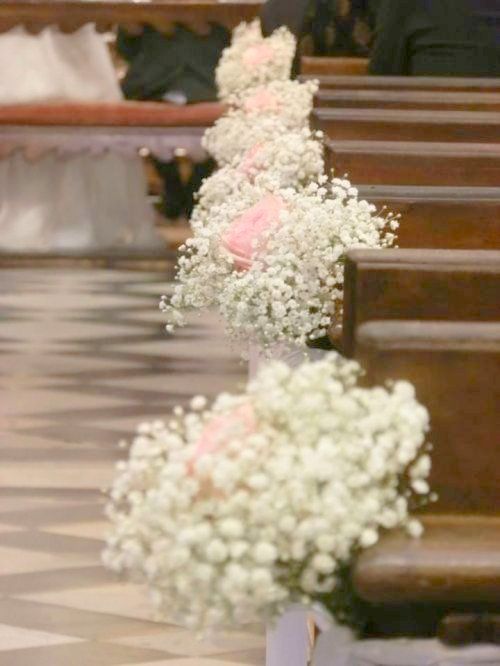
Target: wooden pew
408, 99
455, 565
415, 163
70, 15
407, 125
440, 285
110, 114
442, 217
316, 66
436, 83
73, 127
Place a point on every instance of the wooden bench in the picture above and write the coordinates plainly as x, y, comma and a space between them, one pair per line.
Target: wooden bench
110, 114
436, 83
407, 125
415, 163
440, 285
455, 566
313, 66
69, 127
442, 217
70, 15
408, 99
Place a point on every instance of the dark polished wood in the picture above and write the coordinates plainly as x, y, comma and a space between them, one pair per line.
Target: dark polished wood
408, 99
440, 285
441, 217
318, 66
407, 125
70, 15
415, 163
407, 83
455, 561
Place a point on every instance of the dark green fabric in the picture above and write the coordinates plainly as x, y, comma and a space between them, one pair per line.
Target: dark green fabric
183, 61
433, 38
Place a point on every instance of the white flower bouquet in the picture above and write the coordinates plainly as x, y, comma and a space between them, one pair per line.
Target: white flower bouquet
234, 512
233, 135
272, 260
252, 59
292, 159
291, 100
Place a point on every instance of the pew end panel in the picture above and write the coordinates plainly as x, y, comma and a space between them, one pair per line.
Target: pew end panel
452, 365
397, 284
454, 567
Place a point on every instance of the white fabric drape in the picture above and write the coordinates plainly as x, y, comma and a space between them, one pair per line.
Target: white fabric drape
81, 202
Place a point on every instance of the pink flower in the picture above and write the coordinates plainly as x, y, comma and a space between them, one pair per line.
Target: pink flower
263, 100
257, 55
247, 164
246, 235
218, 432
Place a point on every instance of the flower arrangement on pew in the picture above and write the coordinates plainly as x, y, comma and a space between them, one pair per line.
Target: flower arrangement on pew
270, 231
231, 513
252, 59
262, 112
272, 259
291, 100
293, 159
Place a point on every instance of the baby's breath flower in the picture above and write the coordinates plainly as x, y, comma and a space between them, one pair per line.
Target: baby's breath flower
217, 550
252, 59
292, 287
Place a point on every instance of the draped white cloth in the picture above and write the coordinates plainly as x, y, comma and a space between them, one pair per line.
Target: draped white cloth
81, 202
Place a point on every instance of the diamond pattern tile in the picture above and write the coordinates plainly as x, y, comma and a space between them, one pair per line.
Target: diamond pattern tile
83, 358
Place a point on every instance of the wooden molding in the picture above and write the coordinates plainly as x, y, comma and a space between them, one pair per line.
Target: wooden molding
70, 15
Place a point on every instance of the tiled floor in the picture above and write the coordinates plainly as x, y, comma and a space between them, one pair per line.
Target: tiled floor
83, 358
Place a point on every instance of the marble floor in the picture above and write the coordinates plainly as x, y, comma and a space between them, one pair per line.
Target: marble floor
83, 358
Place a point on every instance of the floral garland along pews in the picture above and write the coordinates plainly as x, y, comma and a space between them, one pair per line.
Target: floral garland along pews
231, 513
270, 230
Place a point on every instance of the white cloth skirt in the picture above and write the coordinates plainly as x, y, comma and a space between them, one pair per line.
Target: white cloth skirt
80, 202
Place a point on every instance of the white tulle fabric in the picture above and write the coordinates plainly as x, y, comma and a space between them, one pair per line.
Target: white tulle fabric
81, 202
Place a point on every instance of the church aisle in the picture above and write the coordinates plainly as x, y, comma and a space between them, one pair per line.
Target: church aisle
83, 359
